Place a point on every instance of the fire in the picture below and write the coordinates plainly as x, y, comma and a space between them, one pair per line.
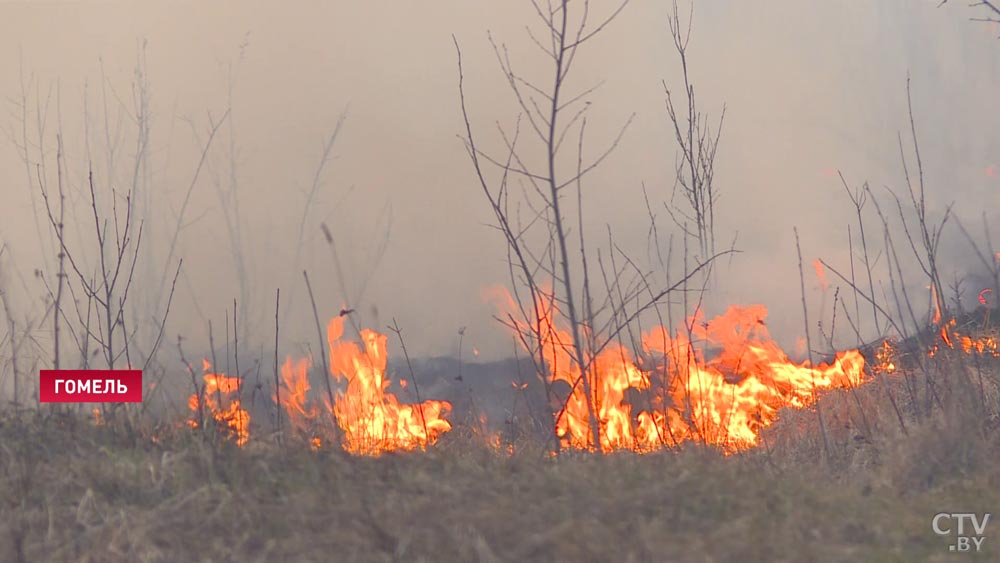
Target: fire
885, 358
371, 420
292, 396
985, 345
218, 390
722, 392
820, 274
937, 310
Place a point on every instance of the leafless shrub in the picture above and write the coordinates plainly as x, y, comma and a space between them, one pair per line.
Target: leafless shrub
989, 7
697, 145
542, 264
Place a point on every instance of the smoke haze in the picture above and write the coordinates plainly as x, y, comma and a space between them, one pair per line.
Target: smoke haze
810, 88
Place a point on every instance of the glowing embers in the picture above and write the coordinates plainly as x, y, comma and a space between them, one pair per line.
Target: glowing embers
885, 358
984, 345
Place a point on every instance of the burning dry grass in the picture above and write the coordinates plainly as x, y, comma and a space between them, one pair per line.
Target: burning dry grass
220, 399
918, 438
361, 416
685, 394
76, 491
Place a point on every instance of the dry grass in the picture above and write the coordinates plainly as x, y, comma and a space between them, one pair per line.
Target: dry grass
75, 492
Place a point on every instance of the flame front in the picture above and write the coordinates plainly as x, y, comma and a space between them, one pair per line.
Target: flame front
983, 345
293, 397
684, 394
370, 419
220, 389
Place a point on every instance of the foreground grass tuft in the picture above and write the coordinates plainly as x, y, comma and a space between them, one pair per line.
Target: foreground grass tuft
70, 491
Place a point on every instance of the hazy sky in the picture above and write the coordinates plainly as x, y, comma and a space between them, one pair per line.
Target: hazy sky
810, 87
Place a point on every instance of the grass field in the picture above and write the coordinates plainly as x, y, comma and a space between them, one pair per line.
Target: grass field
73, 491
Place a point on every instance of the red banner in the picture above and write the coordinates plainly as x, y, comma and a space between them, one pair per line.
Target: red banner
90, 386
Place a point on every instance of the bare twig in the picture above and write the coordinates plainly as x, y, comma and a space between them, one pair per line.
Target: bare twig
277, 383
805, 315
322, 352
413, 377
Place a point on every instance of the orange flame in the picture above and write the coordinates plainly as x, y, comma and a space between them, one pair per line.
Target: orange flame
371, 420
292, 396
945, 332
937, 308
987, 344
885, 358
725, 399
983, 345
820, 274
219, 388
